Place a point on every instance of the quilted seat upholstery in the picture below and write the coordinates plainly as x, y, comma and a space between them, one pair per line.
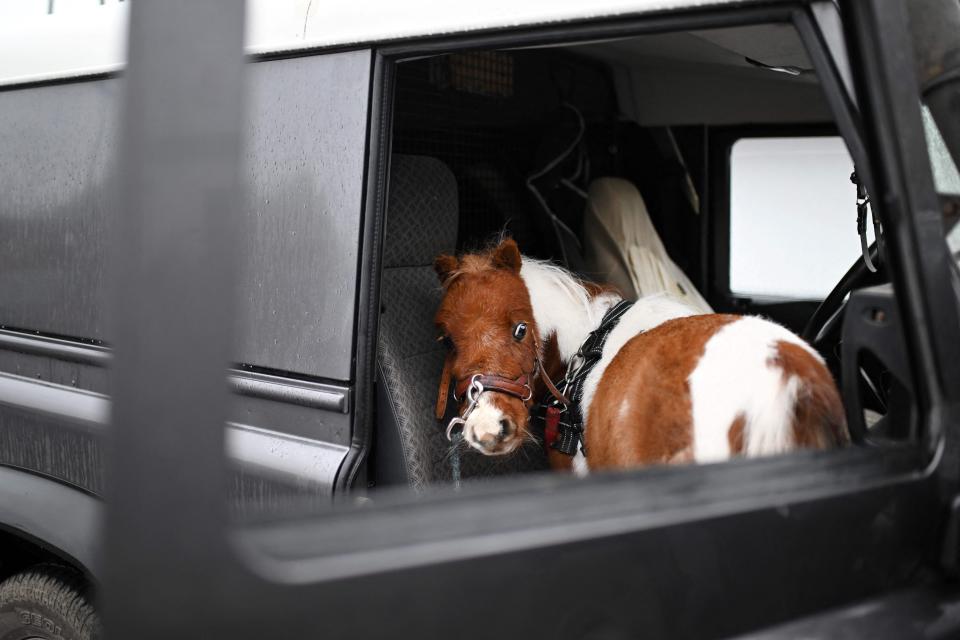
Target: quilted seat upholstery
422, 222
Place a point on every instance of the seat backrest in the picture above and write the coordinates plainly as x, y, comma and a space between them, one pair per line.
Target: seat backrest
422, 219
623, 248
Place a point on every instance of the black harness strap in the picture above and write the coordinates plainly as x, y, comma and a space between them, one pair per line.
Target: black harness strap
570, 428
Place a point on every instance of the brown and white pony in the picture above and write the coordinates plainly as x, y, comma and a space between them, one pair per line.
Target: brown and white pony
671, 385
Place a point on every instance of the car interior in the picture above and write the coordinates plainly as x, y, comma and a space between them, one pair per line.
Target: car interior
611, 158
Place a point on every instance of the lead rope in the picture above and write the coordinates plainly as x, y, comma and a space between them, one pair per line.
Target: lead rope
455, 461
455, 434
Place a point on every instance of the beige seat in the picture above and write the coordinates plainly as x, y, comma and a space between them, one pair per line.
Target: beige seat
622, 247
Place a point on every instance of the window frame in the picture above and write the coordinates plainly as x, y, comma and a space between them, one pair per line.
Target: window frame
388, 56
824, 471
354, 471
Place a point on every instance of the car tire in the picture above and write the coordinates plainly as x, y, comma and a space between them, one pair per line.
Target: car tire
47, 602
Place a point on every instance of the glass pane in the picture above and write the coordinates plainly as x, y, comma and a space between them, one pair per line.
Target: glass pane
946, 179
792, 216
945, 176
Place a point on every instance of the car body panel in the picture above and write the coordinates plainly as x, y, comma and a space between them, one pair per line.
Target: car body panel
56, 40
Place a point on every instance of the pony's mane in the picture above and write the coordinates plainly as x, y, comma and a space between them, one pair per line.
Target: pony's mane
564, 281
473, 262
551, 274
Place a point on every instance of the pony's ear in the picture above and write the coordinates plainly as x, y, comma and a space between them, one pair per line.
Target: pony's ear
507, 255
444, 265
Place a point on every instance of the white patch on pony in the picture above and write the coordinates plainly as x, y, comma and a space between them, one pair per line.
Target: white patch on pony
645, 314
483, 421
580, 467
734, 378
561, 305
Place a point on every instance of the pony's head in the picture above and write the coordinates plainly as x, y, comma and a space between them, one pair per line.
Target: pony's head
486, 321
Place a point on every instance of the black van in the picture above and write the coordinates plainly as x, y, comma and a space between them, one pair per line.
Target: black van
796, 160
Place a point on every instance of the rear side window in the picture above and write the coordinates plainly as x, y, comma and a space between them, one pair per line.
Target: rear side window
792, 216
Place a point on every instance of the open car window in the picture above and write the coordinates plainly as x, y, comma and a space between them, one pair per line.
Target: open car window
946, 178
792, 207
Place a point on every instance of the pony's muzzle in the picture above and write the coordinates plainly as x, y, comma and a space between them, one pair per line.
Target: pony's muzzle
489, 430
490, 441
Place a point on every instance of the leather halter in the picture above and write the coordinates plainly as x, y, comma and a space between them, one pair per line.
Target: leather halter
519, 387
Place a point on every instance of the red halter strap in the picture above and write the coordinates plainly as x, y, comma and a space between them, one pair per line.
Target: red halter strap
518, 387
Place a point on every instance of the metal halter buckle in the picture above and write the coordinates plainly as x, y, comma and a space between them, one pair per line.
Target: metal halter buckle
473, 396
453, 423
473, 392
529, 395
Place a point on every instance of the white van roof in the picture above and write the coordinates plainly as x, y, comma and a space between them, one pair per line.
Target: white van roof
52, 39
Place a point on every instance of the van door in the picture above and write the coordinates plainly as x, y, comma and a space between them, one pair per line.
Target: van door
298, 271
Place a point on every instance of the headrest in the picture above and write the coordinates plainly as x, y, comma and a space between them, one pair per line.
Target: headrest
618, 205
422, 213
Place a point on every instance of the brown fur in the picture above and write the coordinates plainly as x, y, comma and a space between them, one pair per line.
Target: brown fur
735, 434
819, 421
642, 414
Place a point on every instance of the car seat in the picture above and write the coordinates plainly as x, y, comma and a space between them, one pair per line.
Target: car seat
409, 446
622, 247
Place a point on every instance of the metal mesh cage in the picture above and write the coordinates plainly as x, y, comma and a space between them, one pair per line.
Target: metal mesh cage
490, 116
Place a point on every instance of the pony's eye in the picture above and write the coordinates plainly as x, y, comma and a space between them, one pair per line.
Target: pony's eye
520, 331
447, 342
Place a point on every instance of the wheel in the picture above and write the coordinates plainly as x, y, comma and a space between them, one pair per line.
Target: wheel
47, 602
824, 330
